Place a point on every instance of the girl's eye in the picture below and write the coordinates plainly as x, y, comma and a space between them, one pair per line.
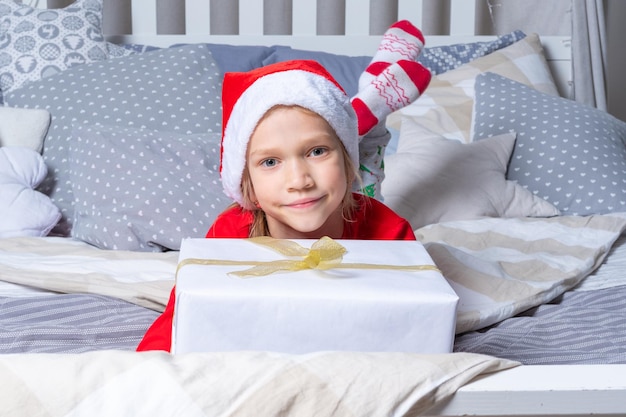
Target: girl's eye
318, 151
269, 163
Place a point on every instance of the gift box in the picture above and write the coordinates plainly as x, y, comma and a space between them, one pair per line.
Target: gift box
378, 296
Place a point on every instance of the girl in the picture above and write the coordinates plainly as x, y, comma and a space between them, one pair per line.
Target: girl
290, 155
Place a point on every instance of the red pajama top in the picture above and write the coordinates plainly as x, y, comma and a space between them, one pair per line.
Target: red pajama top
373, 221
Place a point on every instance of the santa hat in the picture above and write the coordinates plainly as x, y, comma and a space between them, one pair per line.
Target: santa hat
247, 96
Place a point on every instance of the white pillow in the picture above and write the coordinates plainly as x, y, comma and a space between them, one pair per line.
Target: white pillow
23, 210
23, 127
433, 179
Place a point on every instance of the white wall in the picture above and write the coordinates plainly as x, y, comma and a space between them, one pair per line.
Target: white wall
616, 51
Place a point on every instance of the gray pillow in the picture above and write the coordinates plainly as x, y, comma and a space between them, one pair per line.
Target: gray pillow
567, 153
143, 190
345, 69
173, 89
238, 58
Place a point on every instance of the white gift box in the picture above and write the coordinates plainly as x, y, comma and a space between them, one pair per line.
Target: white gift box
347, 309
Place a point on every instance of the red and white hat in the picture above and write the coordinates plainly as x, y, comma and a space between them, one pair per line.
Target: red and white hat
247, 96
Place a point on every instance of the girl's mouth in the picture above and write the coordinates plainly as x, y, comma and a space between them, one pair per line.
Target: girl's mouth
304, 203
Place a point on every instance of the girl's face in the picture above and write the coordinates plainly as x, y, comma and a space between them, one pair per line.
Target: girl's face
296, 166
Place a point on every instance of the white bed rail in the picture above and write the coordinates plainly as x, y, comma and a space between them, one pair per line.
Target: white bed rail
350, 27
285, 17
542, 390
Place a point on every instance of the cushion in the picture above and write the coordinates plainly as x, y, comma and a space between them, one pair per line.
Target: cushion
347, 69
119, 51
36, 43
143, 190
239, 58
173, 89
233, 58
439, 59
434, 179
23, 127
568, 153
445, 108
24, 211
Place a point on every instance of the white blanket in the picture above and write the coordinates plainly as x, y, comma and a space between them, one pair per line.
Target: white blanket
116, 383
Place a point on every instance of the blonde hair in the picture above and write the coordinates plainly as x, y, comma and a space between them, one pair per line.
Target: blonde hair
259, 225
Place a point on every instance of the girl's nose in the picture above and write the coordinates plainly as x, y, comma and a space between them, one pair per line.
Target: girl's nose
298, 175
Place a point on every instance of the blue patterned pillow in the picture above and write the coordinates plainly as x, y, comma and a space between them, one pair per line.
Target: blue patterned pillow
173, 89
570, 154
36, 43
439, 59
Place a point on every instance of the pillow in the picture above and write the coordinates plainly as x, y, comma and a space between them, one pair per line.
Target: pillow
435, 180
36, 43
236, 58
439, 59
445, 108
119, 51
568, 153
24, 211
347, 69
23, 127
239, 58
143, 190
172, 89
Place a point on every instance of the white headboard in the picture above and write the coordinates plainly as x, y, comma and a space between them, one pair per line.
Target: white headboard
350, 27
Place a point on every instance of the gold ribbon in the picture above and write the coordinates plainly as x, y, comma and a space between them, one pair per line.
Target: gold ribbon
324, 254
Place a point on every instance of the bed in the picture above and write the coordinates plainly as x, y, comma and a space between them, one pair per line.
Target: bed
526, 227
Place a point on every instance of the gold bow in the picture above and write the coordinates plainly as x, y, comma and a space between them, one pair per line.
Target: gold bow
324, 254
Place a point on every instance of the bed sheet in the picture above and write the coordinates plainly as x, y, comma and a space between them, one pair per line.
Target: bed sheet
578, 327
78, 291
71, 323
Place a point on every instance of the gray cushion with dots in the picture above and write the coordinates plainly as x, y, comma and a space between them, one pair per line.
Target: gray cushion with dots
174, 89
141, 189
570, 154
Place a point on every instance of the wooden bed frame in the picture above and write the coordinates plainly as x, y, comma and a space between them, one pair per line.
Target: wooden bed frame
559, 390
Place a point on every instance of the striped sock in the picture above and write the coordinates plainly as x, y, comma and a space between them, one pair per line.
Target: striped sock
402, 41
397, 86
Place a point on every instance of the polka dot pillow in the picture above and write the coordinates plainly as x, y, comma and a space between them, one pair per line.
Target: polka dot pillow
173, 89
143, 190
35, 43
570, 154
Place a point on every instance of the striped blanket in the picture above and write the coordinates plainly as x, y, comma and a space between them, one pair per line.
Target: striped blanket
499, 267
